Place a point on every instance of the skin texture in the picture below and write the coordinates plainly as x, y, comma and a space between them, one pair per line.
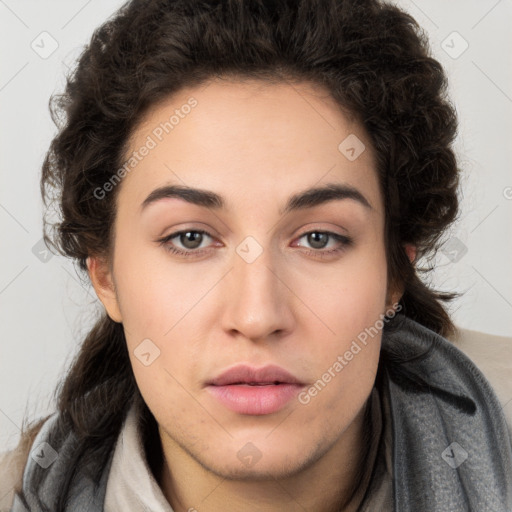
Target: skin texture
255, 144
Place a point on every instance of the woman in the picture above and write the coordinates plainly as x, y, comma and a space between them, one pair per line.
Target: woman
249, 186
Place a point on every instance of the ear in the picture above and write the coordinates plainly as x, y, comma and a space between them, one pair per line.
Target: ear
103, 283
395, 297
410, 251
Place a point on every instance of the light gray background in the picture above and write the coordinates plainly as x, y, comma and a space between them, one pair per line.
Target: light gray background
44, 310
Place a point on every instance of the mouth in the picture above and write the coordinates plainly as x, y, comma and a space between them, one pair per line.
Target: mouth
252, 391
265, 376
275, 383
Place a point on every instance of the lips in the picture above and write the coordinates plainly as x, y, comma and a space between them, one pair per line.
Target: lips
243, 374
254, 391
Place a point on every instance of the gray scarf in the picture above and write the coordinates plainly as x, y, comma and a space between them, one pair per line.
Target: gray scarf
451, 447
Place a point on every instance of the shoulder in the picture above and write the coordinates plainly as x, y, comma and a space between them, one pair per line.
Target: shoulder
12, 465
493, 356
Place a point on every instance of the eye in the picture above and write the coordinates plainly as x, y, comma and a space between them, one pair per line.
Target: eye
319, 240
192, 239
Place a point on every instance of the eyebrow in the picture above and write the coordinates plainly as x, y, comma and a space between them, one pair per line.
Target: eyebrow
305, 199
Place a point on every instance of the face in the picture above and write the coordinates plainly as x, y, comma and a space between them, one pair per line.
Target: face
247, 276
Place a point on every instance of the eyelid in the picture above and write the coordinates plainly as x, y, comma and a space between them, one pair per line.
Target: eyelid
316, 229
344, 240
167, 238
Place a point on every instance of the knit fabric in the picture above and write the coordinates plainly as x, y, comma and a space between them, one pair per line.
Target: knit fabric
445, 444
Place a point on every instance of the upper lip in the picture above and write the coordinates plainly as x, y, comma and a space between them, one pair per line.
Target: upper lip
244, 374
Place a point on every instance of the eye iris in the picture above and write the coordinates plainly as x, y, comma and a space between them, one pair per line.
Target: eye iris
193, 239
191, 236
317, 240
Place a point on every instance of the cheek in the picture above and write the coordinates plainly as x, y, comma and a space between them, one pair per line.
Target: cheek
166, 392
152, 294
347, 329
338, 303
351, 297
154, 302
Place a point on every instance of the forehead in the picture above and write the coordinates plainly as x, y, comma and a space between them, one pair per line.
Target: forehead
250, 139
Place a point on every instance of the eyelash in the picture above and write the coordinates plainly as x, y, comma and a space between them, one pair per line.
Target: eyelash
343, 240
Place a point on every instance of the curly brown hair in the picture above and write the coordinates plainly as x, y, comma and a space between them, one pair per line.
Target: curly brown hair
372, 57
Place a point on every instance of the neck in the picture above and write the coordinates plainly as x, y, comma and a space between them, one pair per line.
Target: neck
336, 482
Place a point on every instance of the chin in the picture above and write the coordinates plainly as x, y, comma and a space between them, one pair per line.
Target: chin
258, 473
253, 464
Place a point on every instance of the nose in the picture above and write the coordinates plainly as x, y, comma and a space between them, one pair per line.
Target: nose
258, 299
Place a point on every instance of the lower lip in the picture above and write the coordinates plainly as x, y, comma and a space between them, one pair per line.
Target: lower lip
255, 400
